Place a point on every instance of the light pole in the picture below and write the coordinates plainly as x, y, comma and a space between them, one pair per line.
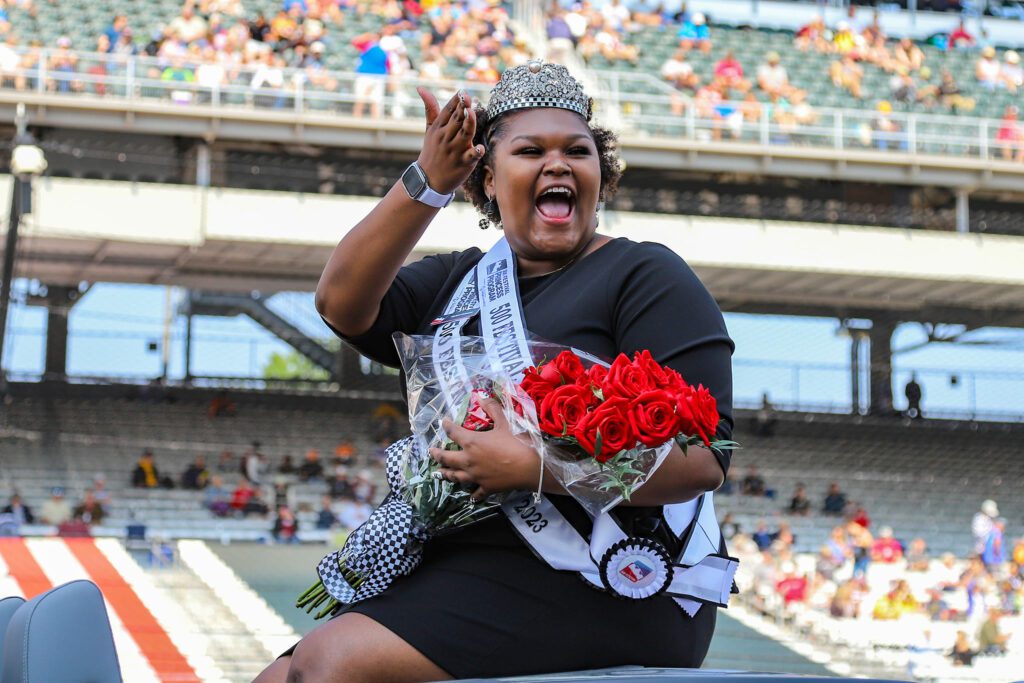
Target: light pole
27, 161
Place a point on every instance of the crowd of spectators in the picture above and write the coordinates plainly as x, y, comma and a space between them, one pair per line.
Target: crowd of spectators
213, 44
735, 100
877, 577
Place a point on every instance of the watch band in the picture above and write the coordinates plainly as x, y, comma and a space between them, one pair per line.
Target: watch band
425, 193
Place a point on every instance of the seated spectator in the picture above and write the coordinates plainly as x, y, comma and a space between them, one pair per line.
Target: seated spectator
762, 537
287, 465
729, 72
245, 499
847, 74
312, 468
196, 476
917, 556
950, 96
839, 547
826, 564
987, 68
844, 40
20, 513
353, 513
896, 603
325, 518
846, 601
617, 16
363, 488
800, 504
960, 37
902, 86
1011, 74
221, 405
89, 510
791, 586
812, 36
560, 37
680, 74
774, 81
991, 639
886, 549
56, 510
1010, 136
146, 475
216, 498
753, 483
286, 526
908, 54
962, 654
345, 453
859, 516
835, 501
188, 26
695, 33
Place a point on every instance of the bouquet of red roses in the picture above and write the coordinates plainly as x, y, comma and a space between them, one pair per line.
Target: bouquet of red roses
608, 428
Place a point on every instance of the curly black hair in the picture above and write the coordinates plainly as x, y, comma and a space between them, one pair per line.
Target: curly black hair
488, 131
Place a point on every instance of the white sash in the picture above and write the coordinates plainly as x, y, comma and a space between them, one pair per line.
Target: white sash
700, 575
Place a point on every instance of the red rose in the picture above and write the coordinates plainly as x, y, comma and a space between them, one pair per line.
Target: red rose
549, 373
535, 386
674, 382
653, 417
477, 418
568, 364
597, 374
657, 374
609, 420
697, 410
562, 409
625, 379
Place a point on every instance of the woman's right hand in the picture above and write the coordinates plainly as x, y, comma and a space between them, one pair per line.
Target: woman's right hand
448, 155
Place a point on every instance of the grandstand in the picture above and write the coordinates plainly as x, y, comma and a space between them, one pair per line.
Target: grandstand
175, 166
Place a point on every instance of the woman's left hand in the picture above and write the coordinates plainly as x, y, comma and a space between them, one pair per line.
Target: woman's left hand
494, 461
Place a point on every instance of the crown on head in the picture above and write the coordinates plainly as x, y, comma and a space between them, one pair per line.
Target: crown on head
538, 84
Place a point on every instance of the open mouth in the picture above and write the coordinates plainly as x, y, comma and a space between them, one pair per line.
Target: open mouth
556, 204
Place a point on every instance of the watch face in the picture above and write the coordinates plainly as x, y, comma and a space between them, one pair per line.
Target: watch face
414, 182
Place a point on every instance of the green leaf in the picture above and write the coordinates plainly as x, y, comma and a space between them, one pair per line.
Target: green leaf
597, 444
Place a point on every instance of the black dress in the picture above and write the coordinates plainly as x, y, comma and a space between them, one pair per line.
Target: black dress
481, 604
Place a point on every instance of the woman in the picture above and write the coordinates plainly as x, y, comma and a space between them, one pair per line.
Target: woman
481, 604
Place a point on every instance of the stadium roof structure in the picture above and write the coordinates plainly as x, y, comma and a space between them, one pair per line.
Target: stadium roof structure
238, 240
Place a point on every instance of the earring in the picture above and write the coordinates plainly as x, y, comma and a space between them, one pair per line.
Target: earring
491, 214
597, 214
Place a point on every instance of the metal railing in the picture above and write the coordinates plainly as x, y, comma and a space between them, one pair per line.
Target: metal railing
639, 104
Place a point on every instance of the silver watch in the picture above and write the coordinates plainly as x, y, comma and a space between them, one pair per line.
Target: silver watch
415, 181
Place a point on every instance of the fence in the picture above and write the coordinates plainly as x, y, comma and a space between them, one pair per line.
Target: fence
633, 103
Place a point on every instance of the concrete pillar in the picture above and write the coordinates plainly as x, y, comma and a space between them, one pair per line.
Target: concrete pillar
59, 301
880, 337
963, 211
855, 344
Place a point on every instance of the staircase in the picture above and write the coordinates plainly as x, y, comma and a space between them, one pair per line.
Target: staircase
231, 304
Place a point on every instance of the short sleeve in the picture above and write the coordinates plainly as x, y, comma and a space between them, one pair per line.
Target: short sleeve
413, 295
662, 306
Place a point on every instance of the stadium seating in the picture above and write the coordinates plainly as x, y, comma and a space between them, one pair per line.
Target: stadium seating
920, 479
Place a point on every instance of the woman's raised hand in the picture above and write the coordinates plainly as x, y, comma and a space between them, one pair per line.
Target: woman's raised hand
448, 155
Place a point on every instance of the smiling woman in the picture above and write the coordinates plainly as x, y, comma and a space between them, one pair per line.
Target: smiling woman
480, 603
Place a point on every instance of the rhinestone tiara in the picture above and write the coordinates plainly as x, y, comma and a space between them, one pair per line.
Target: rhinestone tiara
538, 84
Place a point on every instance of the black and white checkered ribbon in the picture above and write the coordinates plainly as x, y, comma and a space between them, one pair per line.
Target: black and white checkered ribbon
386, 546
